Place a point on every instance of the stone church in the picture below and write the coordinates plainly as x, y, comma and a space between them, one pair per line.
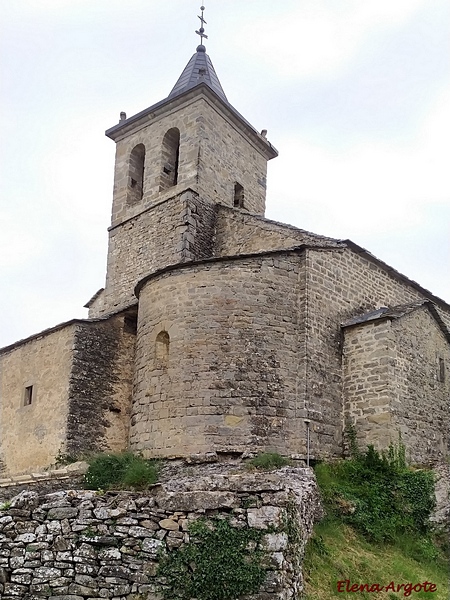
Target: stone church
219, 330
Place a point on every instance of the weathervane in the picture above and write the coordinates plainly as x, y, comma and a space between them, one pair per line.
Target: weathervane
201, 31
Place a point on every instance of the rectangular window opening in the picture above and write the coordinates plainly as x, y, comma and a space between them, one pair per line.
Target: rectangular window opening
238, 201
441, 370
28, 395
130, 324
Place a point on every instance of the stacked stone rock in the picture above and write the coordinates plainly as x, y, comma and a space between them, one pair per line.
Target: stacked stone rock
78, 545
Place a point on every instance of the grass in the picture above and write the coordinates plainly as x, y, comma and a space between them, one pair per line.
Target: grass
378, 498
376, 531
337, 552
120, 471
268, 461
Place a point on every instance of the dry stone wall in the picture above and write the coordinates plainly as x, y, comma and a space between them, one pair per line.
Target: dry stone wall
77, 545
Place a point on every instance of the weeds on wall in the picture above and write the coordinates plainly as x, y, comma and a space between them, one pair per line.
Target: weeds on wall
124, 471
62, 459
268, 461
219, 563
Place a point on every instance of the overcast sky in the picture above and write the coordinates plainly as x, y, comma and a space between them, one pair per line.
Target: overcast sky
355, 95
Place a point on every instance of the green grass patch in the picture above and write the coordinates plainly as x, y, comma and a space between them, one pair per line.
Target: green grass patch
123, 471
267, 461
376, 530
337, 552
377, 496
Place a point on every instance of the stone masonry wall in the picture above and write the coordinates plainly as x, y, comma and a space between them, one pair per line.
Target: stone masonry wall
370, 382
33, 435
213, 155
233, 377
179, 229
78, 544
226, 157
100, 387
139, 246
391, 385
151, 137
422, 401
198, 239
238, 232
340, 284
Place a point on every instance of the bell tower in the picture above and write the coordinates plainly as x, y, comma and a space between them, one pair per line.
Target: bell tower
174, 162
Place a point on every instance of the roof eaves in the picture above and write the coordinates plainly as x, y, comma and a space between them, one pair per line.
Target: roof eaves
155, 110
397, 312
43, 333
90, 302
216, 259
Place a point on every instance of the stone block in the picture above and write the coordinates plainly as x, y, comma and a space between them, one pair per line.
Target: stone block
191, 501
264, 517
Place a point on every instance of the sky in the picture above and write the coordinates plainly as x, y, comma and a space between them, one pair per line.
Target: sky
355, 95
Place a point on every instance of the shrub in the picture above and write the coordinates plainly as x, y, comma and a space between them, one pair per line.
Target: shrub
124, 470
219, 563
377, 494
268, 460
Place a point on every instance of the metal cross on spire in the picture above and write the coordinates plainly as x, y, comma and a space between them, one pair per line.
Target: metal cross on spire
201, 31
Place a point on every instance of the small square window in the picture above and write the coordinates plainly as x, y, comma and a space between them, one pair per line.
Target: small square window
28, 395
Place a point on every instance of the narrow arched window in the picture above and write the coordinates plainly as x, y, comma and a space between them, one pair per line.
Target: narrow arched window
162, 350
238, 200
136, 174
170, 159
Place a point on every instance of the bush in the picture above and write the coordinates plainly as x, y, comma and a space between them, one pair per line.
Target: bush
378, 495
268, 461
219, 563
124, 470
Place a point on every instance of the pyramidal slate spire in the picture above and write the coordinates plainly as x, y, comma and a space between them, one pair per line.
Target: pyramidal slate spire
199, 69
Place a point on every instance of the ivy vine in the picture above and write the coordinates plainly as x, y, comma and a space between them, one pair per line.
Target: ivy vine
220, 562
